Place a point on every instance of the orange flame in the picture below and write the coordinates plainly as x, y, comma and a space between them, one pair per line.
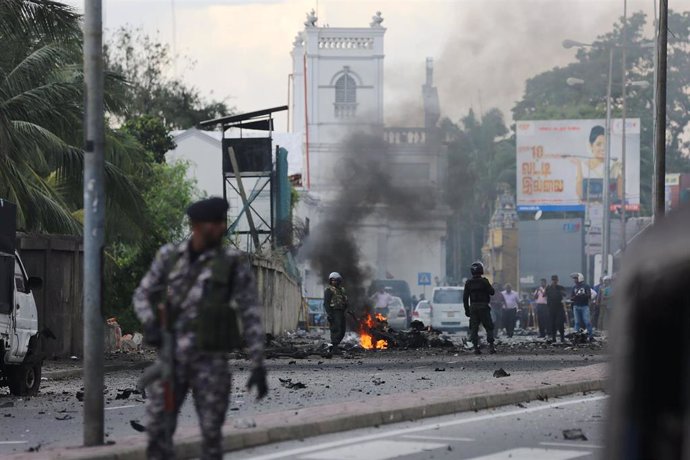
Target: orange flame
366, 339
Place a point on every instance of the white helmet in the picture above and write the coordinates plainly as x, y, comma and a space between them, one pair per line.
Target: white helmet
579, 277
335, 276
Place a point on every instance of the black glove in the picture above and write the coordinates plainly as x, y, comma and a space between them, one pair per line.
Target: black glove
153, 335
258, 379
467, 312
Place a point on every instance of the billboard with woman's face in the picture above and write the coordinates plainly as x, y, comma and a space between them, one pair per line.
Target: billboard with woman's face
560, 164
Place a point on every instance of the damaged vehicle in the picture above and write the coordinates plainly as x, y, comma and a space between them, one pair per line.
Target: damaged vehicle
22, 360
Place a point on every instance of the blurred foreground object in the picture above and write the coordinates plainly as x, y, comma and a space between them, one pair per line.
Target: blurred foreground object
650, 378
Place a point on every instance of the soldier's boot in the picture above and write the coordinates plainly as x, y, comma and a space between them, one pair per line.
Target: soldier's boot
492, 349
477, 351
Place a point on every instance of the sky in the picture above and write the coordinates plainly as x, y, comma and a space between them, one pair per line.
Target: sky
483, 50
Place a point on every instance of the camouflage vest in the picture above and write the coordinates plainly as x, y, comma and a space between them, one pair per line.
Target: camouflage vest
216, 326
339, 299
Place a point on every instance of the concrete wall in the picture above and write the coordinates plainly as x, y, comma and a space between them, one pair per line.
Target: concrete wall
279, 294
58, 260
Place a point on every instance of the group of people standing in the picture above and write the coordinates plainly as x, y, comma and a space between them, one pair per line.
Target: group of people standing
589, 307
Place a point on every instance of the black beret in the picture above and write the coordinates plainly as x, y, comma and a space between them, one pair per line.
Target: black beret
212, 209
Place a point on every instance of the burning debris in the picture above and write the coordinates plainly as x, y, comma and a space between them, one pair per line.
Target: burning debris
372, 331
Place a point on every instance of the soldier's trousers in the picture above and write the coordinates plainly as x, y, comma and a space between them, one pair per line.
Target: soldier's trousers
336, 320
481, 314
208, 376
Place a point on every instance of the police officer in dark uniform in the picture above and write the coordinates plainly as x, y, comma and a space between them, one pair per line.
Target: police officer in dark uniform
478, 292
335, 303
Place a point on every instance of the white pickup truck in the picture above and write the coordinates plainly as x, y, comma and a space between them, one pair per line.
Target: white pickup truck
20, 352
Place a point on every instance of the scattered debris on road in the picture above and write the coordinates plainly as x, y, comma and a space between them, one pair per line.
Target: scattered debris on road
498, 373
289, 384
574, 434
64, 417
137, 426
126, 393
6, 405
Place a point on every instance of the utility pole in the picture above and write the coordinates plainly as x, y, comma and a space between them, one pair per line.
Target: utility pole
94, 223
660, 115
624, 78
606, 228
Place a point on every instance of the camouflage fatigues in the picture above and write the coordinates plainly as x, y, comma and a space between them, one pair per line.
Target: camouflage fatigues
335, 302
207, 374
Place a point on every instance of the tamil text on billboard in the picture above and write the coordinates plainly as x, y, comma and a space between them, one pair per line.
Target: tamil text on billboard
560, 164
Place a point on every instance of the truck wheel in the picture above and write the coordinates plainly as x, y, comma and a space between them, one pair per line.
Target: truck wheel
24, 379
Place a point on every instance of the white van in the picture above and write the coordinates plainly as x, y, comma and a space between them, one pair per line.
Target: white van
20, 356
447, 310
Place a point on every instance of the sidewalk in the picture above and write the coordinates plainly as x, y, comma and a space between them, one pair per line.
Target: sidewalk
65, 369
240, 433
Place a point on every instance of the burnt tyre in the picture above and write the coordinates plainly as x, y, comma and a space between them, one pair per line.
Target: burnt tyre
24, 379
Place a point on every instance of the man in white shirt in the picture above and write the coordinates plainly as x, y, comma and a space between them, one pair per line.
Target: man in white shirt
381, 299
510, 309
542, 310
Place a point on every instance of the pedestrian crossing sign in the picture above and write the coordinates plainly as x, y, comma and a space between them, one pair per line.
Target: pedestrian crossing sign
424, 279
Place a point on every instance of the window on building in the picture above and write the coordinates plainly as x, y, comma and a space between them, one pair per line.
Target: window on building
345, 96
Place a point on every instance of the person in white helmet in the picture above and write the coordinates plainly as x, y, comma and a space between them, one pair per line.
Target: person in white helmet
580, 296
335, 303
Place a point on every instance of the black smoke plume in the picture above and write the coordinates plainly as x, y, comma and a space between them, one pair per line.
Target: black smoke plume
366, 186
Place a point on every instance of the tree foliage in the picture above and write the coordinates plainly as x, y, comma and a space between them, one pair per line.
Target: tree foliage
168, 191
151, 134
481, 162
153, 89
547, 96
41, 109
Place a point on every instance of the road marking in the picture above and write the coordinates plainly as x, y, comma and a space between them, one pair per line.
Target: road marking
437, 438
417, 429
13, 442
123, 407
571, 444
375, 450
528, 453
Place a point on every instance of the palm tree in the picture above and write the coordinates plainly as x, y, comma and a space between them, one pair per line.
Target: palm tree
41, 111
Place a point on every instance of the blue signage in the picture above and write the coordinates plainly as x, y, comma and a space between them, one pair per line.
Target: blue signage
424, 279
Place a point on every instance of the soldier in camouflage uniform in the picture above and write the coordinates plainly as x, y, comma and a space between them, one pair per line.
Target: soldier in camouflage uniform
186, 272
335, 303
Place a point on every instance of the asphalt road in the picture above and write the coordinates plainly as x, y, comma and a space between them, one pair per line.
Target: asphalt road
54, 419
531, 432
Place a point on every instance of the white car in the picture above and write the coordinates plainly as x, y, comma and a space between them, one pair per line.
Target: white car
422, 312
397, 314
447, 310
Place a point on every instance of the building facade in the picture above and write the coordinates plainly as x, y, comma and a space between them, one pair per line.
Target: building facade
337, 91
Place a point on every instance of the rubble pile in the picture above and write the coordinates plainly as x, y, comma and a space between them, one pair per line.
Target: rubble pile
374, 333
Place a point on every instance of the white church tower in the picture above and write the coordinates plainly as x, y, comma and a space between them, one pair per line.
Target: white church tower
337, 88
337, 85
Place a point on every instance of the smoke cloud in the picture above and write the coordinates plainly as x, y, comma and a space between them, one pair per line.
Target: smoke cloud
495, 46
366, 187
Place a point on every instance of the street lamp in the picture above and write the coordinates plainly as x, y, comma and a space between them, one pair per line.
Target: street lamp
606, 227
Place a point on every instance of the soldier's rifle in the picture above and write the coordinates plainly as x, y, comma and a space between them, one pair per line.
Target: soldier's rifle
164, 367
